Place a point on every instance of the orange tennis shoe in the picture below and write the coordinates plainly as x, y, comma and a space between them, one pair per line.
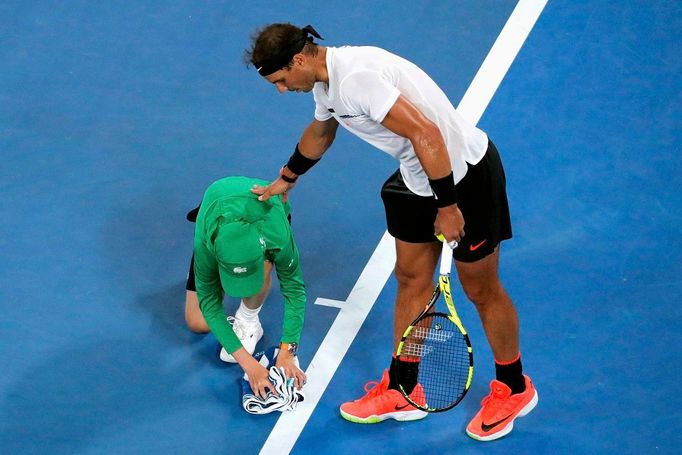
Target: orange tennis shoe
500, 409
381, 403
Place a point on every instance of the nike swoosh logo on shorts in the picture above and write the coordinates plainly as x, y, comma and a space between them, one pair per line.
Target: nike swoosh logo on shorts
477, 246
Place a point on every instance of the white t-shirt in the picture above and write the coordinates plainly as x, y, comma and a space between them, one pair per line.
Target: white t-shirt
365, 82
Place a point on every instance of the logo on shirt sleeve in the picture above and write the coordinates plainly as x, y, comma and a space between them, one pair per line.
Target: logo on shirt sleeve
344, 115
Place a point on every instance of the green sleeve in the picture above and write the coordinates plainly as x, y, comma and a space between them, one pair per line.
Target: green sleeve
210, 295
288, 268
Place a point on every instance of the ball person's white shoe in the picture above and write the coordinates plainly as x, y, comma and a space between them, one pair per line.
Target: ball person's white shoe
249, 333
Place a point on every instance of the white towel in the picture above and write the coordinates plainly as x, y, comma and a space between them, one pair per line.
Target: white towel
286, 397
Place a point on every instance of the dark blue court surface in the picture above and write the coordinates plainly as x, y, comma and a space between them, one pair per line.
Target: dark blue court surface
115, 116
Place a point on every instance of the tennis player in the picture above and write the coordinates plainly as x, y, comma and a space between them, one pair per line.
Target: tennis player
237, 242
450, 182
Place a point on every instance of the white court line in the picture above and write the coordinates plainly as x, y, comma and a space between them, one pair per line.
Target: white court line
499, 59
330, 302
373, 278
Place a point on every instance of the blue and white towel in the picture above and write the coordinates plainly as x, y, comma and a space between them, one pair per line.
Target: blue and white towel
287, 396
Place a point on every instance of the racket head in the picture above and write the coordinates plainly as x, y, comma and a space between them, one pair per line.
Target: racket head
445, 362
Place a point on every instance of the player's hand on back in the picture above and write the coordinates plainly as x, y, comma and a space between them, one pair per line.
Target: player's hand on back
278, 186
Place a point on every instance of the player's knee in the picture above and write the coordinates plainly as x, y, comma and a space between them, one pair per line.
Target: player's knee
407, 276
267, 284
196, 322
482, 293
193, 316
197, 326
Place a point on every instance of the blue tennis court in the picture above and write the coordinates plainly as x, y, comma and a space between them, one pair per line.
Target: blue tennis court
115, 116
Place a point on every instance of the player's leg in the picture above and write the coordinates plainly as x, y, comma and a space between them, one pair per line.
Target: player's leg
193, 317
245, 322
483, 202
512, 393
410, 220
256, 301
481, 284
414, 269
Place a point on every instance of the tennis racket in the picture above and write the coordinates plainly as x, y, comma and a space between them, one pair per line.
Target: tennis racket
439, 349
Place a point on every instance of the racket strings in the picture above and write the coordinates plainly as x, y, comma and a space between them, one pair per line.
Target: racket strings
444, 360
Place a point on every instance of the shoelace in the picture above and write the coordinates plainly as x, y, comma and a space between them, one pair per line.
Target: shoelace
236, 326
373, 389
242, 328
494, 402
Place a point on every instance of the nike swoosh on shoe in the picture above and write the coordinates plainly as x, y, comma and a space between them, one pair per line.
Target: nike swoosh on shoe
487, 428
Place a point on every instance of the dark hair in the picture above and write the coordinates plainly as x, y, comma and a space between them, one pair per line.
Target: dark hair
269, 41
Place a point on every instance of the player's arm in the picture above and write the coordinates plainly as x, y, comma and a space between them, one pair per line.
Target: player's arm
317, 137
404, 119
256, 373
210, 295
288, 269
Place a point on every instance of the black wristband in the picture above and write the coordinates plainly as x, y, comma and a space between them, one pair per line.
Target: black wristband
445, 191
299, 164
287, 178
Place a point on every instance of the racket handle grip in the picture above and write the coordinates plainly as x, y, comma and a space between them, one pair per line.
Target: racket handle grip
452, 244
446, 257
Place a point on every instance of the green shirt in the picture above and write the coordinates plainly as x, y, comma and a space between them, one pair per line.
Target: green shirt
231, 198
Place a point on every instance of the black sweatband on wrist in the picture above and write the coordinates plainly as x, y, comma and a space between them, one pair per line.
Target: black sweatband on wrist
286, 178
444, 189
299, 164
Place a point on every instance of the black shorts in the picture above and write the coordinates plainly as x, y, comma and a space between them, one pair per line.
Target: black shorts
191, 285
482, 198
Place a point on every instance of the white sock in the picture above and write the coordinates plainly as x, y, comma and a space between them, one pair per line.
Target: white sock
246, 314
